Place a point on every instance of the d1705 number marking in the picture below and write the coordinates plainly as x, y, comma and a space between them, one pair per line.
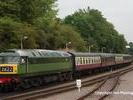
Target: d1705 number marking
6, 69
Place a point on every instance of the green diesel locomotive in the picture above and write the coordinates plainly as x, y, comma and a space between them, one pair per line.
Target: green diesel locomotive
32, 67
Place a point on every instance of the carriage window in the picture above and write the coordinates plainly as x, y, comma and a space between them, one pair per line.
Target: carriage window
94, 60
82, 60
77, 60
90, 61
86, 60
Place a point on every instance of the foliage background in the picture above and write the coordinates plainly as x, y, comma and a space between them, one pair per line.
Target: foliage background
37, 19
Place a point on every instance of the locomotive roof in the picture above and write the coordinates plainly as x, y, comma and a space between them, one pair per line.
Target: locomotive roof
35, 53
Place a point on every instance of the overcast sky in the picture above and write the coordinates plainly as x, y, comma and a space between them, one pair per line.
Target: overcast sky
118, 12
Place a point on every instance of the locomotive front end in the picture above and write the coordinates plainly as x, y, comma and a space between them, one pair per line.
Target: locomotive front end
8, 70
8, 64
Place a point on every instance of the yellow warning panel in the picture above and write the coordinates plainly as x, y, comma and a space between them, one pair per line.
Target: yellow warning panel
8, 68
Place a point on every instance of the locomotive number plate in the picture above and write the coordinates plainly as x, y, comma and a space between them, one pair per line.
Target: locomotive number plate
6, 69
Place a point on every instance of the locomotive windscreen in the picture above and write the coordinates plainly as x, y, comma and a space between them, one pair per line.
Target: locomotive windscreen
9, 60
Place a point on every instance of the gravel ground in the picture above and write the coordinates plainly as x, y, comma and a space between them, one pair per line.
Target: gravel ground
124, 90
71, 95
107, 86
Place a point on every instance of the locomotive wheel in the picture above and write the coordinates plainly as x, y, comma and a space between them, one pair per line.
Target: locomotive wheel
13, 85
65, 76
8, 87
5, 88
25, 84
68, 76
0, 89
61, 77
36, 82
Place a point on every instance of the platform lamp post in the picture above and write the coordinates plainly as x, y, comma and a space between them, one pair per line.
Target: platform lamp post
22, 39
67, 44
103, 49
90, 48
127, 48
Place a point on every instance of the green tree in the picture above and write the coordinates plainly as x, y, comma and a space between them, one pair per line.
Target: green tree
37, 20
11, 33
20, 18
32, 10
130, 49
58, 34
9, 8
96, 30
27, 10
68, 34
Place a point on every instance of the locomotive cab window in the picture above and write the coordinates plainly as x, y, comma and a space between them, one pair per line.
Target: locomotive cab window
23, 60
9, 59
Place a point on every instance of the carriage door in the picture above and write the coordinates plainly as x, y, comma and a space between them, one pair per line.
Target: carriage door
24, 62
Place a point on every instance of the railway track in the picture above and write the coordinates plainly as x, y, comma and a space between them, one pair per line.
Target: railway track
106, 87
42, 93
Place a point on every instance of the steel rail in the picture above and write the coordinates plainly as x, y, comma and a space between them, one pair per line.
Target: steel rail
113, 87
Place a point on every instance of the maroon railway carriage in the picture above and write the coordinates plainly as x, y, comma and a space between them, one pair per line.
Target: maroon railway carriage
85, 61
107, 59
127, 59
91, 61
